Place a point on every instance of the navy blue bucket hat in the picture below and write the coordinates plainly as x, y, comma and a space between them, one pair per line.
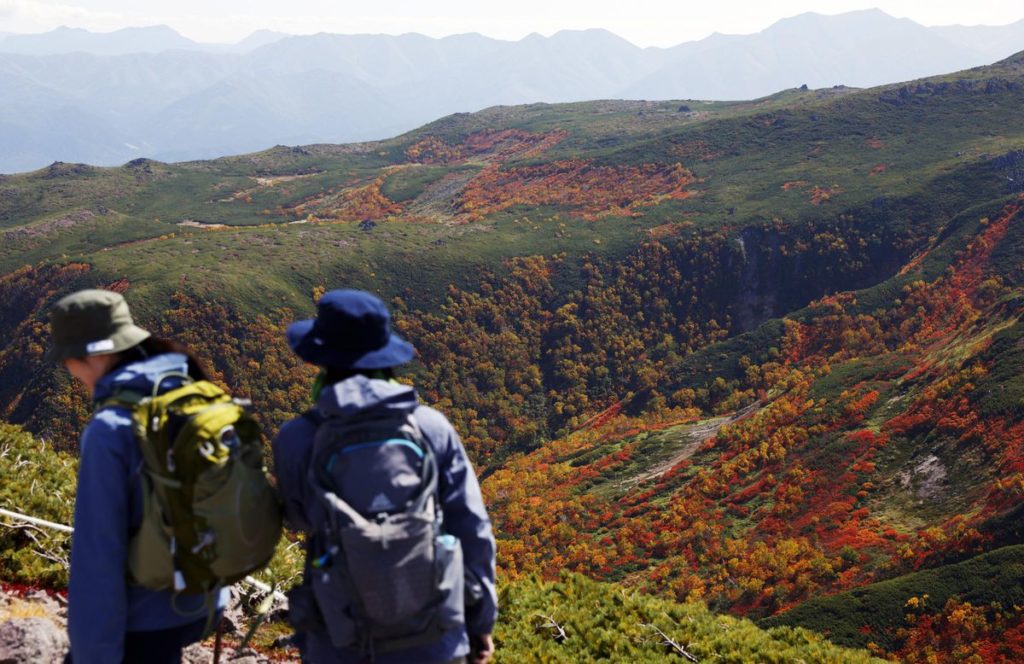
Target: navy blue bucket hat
352, 330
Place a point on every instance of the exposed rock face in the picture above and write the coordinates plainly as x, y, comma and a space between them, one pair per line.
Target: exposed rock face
1011, 167
37, 640
927, 90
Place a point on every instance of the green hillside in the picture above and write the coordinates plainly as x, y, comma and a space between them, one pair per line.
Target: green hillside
746, 354
869, 614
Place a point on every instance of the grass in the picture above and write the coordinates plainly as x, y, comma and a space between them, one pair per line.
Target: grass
18, 609
407, 183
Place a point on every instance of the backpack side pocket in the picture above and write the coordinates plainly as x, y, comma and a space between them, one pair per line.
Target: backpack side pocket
451, 579
149, 551
236, 515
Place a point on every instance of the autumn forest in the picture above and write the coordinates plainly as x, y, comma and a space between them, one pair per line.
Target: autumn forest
750, 366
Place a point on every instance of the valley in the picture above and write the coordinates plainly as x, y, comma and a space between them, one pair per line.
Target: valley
750, 358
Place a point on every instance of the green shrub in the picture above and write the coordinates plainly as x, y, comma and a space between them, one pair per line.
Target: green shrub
578, 620
40, 482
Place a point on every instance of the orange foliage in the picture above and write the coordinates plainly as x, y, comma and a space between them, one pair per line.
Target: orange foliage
821, 195
594, 191
364, 202
497, 145
962, 632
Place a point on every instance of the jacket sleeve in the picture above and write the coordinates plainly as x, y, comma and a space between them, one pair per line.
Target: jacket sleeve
291, 458
466, 518
97, 592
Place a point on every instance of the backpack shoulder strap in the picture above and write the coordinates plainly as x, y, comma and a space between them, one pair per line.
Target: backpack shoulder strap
127, 398
315, 416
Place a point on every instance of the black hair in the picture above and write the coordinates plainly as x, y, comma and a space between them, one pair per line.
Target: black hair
335, 375
151, 346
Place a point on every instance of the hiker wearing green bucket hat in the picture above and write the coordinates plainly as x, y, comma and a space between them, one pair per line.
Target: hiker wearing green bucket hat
110, 619
400, 553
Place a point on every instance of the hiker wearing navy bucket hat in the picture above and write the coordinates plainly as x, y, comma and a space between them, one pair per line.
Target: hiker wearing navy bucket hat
352, 330
400, 553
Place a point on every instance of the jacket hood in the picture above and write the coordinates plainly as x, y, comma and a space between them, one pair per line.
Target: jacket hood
141, 375
360, 394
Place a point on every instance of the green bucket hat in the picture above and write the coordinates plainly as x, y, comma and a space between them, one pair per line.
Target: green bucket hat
92, 322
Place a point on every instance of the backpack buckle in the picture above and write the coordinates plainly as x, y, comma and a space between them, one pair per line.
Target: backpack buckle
208, 452
205, 540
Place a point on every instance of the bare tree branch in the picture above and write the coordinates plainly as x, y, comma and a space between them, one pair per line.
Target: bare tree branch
669, 642
556, 630
46, 552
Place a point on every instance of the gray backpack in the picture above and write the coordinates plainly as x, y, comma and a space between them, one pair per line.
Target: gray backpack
385, 575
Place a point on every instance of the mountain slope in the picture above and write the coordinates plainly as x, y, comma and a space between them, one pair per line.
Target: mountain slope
869, 614
748, 353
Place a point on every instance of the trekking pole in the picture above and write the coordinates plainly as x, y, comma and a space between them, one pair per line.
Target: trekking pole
217, 640
261, 614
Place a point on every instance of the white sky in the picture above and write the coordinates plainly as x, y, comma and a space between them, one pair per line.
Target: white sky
643, 22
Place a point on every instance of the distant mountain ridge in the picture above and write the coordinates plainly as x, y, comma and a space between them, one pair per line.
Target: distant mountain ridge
149, 39
149, 92
994, 41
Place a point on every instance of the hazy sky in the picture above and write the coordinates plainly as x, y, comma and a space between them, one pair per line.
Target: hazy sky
643, 22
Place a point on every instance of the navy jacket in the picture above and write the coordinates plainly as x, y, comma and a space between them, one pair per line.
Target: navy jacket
102, 605
464, 512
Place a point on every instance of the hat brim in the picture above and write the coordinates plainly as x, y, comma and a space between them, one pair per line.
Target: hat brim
126, 337
296, 333
317, 351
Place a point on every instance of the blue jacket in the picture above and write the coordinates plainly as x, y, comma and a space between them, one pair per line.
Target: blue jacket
464, 512
102, 605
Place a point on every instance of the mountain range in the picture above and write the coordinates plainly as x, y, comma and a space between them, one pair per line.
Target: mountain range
104, 99
152, 39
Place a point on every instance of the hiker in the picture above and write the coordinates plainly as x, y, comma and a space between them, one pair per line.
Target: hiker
358, 472
110, 619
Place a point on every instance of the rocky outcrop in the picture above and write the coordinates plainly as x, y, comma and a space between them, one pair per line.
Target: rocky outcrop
778, 270
37, 640
200, 654
33, 628
1011, 167
925, 91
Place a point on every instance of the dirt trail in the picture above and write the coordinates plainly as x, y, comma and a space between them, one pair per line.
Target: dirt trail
698, 434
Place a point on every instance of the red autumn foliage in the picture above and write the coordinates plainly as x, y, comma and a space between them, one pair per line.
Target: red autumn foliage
592, 191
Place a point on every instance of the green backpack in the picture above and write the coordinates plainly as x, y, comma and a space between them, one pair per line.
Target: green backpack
210, 517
